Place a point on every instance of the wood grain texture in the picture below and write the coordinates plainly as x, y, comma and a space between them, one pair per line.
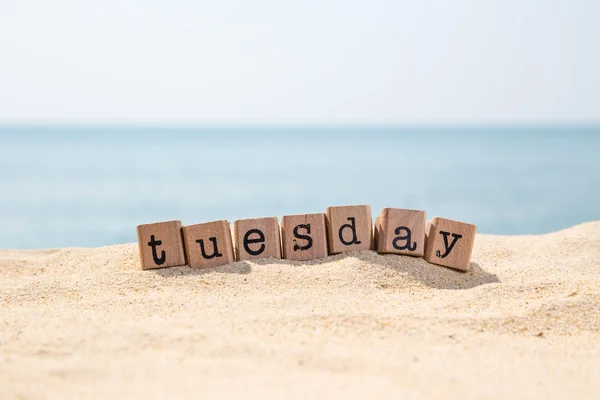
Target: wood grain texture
160, 245
257, 238
401, 231
349, 228
304, 236
450, 243
208, 245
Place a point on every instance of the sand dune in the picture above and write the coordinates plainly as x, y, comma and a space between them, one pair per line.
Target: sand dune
525, 321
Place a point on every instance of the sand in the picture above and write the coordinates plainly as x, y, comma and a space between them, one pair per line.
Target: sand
524, 322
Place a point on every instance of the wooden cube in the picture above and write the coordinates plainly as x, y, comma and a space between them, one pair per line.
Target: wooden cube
376, 233
160, 245
257, 238
208, 245
349, 228
450, 243
401, 231
304, 236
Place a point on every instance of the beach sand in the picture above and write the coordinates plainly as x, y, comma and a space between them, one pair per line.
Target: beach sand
524, 322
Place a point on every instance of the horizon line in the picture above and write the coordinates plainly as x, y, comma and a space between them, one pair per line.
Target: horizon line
292, 126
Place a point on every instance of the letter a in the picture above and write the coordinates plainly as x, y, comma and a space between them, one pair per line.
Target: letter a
407, 245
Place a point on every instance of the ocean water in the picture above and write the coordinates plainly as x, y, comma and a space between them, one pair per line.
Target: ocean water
91, 186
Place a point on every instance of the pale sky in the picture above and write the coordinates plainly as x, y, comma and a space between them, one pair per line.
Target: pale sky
309, 62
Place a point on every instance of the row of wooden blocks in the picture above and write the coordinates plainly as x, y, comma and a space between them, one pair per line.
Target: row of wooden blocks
307, 237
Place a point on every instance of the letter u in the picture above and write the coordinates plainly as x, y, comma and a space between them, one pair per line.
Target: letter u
215, 252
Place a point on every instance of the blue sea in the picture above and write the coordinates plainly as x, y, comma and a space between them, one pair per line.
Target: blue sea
91, 186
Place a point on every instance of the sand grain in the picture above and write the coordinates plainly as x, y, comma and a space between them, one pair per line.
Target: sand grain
524, 322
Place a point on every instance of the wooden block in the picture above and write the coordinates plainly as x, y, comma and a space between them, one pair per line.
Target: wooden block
401, 231
208, 245
450, 243
257, 238
349, 228
160, 245
376, 233
304, 236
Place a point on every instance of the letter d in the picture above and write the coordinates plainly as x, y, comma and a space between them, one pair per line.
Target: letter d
352, 227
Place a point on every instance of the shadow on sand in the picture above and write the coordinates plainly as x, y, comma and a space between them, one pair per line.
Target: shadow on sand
241, 268
430, 275
436, 276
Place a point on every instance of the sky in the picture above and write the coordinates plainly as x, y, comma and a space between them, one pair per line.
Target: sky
303, 62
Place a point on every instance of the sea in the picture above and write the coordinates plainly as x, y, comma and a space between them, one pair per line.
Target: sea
71, 186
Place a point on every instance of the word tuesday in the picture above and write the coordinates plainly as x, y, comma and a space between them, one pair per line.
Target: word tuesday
307, 237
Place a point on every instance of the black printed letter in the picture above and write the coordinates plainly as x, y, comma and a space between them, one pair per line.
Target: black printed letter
153, 243
352, 226
406, 238
216, 249
304, 237
455, 236
247, 241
